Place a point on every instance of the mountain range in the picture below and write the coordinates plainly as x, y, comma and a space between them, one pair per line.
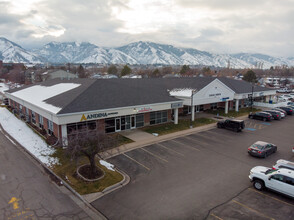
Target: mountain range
134, 53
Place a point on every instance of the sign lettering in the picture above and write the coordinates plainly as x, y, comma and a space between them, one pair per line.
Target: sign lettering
97, 115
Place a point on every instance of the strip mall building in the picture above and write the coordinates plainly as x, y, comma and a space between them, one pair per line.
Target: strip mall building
63, 106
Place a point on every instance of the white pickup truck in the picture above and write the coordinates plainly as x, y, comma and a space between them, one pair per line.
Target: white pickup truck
281, 180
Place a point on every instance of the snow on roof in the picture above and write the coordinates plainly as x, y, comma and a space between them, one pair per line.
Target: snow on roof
184, 92
3, 87
37, 94
28, 139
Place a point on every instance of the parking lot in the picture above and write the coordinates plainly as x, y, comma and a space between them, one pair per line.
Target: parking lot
201, 176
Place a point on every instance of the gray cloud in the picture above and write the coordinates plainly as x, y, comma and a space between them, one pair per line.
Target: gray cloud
263, 26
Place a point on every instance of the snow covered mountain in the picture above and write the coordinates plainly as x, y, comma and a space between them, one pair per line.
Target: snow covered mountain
12, 53
134, 53
73, 52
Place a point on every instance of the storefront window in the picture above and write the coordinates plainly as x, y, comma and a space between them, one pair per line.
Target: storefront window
41, 122
139, 120
158, 117
50, 127
89, 125
33, 117
109, 125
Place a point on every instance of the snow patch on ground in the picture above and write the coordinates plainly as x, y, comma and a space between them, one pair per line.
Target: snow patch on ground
27, 138
107, 165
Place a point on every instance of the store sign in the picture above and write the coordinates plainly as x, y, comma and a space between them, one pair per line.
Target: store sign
177, 105
97, 115
224, 99
144, 109
215, 95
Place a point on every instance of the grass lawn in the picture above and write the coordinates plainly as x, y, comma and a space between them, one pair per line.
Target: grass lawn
171, 127
67, 168
233, 113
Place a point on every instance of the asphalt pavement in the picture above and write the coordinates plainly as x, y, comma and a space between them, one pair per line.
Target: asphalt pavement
28, 193
199, 176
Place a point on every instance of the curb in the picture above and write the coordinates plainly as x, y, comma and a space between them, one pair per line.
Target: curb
160, 139
95, 196
95, 213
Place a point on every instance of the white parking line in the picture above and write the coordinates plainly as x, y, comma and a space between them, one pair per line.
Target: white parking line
243, 205
147, 168
161, 145
154, 155
271, 197
196, 140
216, 216
194, 148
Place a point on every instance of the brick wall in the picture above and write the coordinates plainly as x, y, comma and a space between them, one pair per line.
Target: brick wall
100, 124
55, 130
206, 107
147, 118
169, 113
37, 118
45, 123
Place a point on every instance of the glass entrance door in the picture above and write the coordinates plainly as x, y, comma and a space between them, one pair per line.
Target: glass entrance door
197, 108
117, 124
133, 121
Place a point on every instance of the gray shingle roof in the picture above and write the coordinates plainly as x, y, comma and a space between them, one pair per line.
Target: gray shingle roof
99, 94
240, 86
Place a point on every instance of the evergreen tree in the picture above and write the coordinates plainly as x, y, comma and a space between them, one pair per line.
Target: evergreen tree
185, 69
81, 72
126, 71
112, 70
250, 76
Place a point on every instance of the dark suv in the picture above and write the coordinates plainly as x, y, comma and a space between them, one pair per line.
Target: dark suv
265, 116
233, 124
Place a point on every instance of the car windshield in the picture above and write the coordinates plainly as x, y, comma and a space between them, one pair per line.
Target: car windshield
269, 171
256, 146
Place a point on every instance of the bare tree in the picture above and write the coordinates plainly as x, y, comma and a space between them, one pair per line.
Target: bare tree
89, 143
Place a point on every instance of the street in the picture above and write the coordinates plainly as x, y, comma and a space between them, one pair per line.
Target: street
27, 193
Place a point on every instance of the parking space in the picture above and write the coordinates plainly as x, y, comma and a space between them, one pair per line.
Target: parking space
186, 177
253, 204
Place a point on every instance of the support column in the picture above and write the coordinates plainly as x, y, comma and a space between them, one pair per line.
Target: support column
237, 105
193, 112
64, 135
227, 107
176, 116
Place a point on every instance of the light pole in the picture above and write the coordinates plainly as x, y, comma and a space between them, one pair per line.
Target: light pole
193, 92
252, 96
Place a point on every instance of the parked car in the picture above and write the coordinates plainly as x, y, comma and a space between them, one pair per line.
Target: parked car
281, 181
276, 115
265, 116
287, 109
284, 164
262, 149
280, 110
233, 124
283, 90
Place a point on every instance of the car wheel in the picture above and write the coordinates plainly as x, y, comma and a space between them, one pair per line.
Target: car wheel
258, 184
265, 155
250, 116
275, 150
218, 125
264, 119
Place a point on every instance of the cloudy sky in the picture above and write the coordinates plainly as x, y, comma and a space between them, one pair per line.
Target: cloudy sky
222, 26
